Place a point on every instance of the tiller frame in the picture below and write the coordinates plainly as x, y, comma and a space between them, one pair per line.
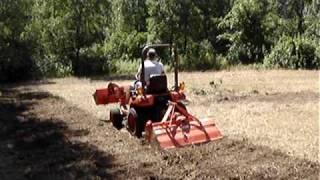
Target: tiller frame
179, 128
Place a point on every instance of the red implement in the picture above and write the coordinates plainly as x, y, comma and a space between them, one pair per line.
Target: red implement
178, 128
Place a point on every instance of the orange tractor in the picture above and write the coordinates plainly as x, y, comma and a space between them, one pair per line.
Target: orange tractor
156, 112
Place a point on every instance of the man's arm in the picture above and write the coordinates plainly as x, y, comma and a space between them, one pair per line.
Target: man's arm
138, 75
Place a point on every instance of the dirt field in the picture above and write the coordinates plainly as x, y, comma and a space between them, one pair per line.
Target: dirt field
270, 119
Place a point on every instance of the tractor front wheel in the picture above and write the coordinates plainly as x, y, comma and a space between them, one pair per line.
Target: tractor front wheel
135, 123
116, 118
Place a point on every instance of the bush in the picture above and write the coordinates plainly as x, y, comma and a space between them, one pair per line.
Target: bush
200, 57
16, 63
91, 61
123, 44
124, 66
294, 53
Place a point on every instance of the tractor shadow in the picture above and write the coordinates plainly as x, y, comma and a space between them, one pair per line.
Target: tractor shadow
34, 146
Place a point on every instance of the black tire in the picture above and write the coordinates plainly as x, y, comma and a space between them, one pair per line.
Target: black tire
116, 118
135, 123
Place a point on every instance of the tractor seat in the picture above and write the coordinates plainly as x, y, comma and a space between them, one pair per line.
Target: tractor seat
158, 84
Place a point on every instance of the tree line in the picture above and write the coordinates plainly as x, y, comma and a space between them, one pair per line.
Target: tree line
52, 38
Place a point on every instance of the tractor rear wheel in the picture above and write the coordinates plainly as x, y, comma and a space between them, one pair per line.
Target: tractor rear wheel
116, 118
135, 123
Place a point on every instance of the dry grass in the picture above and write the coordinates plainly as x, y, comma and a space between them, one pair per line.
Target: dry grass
279, 109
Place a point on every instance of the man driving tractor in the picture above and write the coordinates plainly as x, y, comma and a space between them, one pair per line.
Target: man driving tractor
153, 110
151, 66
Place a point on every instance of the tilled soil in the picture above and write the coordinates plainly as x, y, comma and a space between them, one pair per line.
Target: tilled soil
278, 109
43, 136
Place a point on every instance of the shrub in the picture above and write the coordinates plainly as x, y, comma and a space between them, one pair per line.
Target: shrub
124, 66
200, 57
16, 63
123, 44
91, 61
294, 53
51, 66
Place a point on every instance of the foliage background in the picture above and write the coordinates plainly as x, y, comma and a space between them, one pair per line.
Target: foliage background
54, 38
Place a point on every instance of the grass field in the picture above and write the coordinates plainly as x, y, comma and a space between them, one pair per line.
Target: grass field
270, 120
279, 109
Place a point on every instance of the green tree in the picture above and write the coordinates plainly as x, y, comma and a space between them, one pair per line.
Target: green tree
128, 30
209, 15
79, 37
247, 27
66, 29
15, 58
312, 20
294, 14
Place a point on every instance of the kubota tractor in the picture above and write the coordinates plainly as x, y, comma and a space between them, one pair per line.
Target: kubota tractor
155, 111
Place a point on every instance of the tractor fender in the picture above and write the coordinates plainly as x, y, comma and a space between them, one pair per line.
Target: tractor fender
143, 101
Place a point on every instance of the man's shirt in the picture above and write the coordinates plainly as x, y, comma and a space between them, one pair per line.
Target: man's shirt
150, 68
